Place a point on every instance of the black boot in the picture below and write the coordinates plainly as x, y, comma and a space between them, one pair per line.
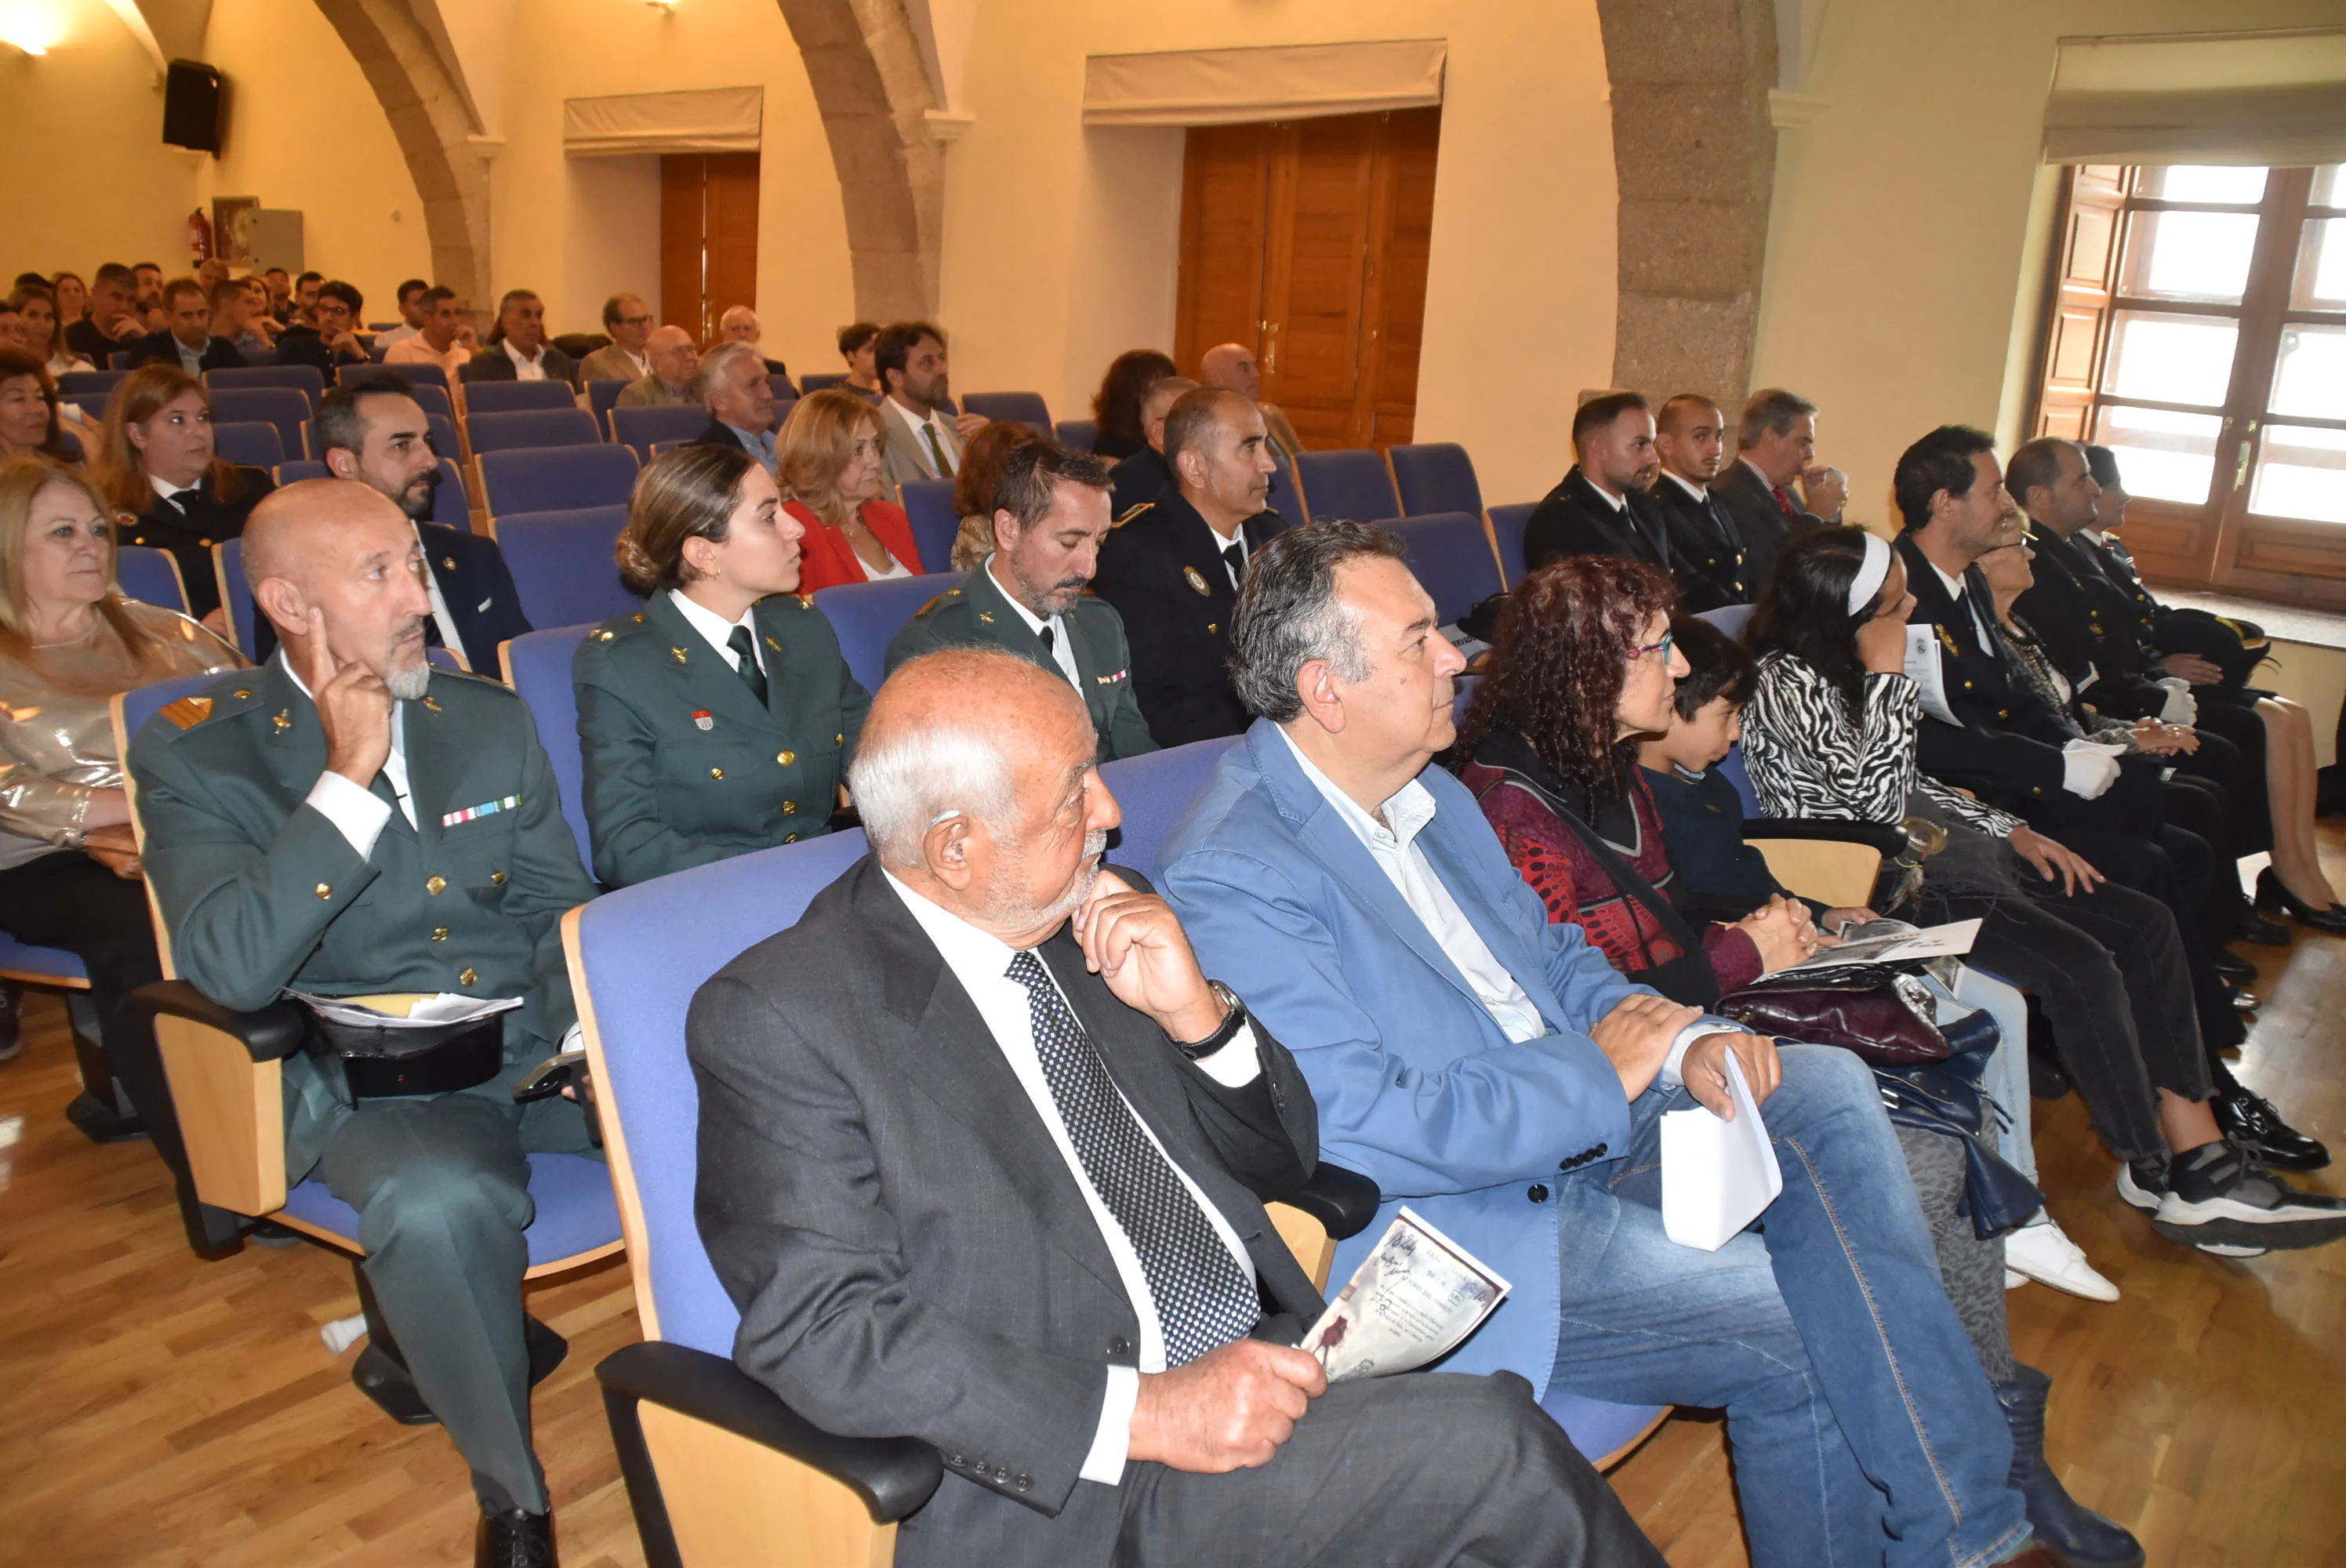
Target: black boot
2072, 1533
514, 1538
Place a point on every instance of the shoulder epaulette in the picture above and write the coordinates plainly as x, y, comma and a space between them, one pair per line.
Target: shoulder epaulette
189, 711
1136, 512
617, 627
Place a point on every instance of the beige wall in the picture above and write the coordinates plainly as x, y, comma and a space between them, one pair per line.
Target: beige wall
1057, 241
89, 180
1908, 235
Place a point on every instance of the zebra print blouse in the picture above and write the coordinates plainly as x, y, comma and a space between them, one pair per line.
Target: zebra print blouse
1808, 756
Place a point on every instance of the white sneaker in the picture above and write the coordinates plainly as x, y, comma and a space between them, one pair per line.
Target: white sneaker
2044, 1254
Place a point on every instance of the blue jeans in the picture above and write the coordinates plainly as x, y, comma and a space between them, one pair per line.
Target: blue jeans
1863, 1429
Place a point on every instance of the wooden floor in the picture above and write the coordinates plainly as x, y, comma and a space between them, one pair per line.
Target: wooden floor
154, 1410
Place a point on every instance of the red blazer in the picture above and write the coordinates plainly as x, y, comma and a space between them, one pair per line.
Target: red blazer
829, 560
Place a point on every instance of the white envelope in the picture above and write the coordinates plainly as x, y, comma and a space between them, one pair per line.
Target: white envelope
1717, 1176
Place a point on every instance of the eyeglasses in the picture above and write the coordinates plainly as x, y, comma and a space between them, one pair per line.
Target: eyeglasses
1669, 641
634, 321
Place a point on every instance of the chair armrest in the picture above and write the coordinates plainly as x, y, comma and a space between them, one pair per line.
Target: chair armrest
895, 1477
1890, 840
1343, 1201
270, 1035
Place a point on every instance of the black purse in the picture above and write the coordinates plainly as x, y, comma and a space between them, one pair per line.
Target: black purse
1946, 1098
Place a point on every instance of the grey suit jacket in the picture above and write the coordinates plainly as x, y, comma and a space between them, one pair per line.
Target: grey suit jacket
905, 456
909, 1252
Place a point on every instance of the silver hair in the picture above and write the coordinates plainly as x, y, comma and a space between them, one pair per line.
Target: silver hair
713, 363
1289, 613
905, 782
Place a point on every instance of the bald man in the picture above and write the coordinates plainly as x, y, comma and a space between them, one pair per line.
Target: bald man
347, 819
984, 1158
1232, 367
1172, 571
675, 360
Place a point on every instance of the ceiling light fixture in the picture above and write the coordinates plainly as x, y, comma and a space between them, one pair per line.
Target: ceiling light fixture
32, 25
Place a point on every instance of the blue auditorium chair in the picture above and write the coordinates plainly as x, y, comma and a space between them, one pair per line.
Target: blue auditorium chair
303, 378
556, 478
531, 427
1452, 557
1155, 789
514, 397
1027, 408
1353, 485
254, 442
562, 564
151, 575
101, 1111
450, 503
1079, 433
639, 428
283, 407
820, 381
102, 382
1508, 524
785, 393
235, 598
422, 377
602, 397
1437, 476
537, 665
929, 508
868, 615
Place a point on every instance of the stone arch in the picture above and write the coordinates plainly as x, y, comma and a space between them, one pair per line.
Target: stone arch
874, 94
1693, 152
430, 115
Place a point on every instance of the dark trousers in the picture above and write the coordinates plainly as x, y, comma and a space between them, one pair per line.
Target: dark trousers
1415, 1472
68, 900
2108, 968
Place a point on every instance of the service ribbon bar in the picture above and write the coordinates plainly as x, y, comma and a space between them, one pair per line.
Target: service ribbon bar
490, 809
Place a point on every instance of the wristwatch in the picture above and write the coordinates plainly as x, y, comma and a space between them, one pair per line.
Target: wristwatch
1234, 1018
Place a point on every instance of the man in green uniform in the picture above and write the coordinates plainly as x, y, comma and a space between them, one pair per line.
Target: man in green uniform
1050, 514
347, 820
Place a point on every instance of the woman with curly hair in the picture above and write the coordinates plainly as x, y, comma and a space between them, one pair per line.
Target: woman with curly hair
1116, 405
973, 486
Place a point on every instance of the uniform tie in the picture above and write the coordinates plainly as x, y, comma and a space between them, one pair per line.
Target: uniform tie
1203, 1298
1234, 554
745, 650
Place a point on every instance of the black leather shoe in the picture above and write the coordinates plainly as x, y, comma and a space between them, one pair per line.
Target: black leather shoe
509, 1538
2231, 966
2250, 1121
2067, 1531
2271, 893
2253, 927
2244, 1001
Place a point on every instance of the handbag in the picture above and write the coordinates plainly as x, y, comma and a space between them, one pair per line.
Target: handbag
1946, 1098
1873, 1009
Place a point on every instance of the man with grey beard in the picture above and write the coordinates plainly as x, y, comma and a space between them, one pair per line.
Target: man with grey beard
348, 821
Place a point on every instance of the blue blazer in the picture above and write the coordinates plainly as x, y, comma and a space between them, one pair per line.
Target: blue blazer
1417, 1086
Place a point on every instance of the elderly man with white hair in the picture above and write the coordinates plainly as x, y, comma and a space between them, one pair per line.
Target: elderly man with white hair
984, 1155
348, 821
740, 324
731, 385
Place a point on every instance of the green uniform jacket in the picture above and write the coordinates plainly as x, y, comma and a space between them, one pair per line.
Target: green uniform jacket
260, 891
975, 612
683, 766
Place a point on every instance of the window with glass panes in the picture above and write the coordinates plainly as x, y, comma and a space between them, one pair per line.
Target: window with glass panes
2197, 328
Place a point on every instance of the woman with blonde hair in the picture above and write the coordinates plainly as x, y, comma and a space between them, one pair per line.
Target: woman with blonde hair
162, 472
69, 875
720, 720
827, 459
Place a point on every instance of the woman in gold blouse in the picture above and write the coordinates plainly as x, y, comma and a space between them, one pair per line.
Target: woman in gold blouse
70, 642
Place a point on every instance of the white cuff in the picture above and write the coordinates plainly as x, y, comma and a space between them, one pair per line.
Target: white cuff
1236, 1063
356, 811
1671, 1077
2087, 770
1105, 1463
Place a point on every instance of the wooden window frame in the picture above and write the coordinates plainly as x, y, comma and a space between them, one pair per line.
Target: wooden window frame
2219, 543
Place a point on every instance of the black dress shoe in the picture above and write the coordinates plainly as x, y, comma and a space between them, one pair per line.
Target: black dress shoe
509, 1538
2250, 1121
2231, 966
2253, 927
2270, 892
2244, 1001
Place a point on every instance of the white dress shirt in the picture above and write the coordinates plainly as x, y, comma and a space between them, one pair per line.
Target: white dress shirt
1610, 499
449, 639
946, 435
170, 491
1061, 654
1699, 492
894, 570
190, 360
397, 336
1396, 851
981, 961
526, 367
715, 629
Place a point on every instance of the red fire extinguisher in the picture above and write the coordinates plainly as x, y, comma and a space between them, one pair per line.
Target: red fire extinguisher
199, 235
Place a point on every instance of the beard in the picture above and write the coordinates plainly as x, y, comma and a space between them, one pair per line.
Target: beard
1008, 911
409, 683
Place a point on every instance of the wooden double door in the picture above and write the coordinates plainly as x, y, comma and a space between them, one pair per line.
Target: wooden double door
1307, 240
709, 239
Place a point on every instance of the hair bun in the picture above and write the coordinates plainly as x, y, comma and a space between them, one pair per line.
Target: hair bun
638, 570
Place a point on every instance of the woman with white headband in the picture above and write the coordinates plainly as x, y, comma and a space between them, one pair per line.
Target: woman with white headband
1831, 733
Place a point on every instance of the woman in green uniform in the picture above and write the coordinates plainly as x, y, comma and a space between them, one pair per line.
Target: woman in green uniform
721, 718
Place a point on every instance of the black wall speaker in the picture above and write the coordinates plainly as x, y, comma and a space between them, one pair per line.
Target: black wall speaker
193, 98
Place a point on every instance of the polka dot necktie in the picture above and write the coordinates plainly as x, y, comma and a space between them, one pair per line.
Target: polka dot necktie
1203, 1298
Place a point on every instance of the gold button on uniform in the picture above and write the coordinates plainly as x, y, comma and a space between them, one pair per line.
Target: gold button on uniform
790, 808
838, 739
790, 837
435, 886
439, 934
496, 879
465, 976
716, 773
324, 892
786, 758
